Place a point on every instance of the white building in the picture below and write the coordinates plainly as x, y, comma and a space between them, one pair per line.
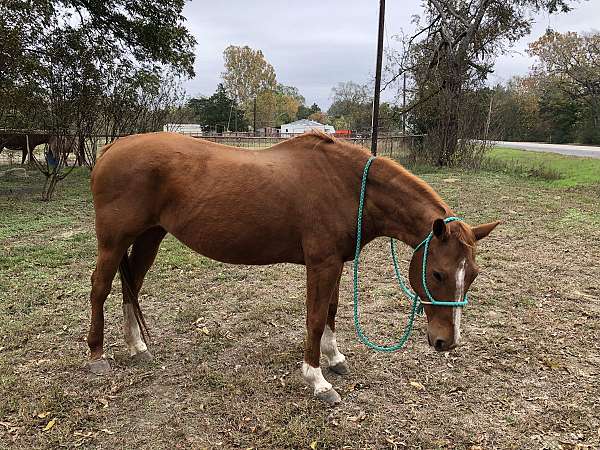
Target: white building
191, 129
304, 125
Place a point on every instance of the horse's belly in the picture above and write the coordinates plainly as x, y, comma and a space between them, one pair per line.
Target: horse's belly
250, 247
228, 224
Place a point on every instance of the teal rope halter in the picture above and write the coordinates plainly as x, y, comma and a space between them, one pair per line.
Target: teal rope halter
417, 303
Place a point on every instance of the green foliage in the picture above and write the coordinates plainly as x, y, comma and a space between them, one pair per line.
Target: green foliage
304, 111
251, 80
450, 55
569, 64
560, 113
273, 108
62, 59
559, 101
218, 112
353, 102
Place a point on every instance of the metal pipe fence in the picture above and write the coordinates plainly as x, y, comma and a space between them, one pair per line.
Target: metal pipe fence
394, 146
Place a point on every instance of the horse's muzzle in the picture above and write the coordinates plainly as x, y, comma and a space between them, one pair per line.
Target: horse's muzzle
441, 345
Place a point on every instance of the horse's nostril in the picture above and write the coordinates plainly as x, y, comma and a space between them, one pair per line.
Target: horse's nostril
439, 345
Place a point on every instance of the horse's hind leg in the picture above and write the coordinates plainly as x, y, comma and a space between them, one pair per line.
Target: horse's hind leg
107, 263
143, 253
321, 283
337, 361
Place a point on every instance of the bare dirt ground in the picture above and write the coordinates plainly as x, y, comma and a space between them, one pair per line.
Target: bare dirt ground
227, 339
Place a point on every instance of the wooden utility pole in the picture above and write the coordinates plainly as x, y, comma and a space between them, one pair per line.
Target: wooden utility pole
404, 105
254, 129
375, 123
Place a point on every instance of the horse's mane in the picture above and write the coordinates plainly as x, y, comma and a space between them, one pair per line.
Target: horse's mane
390, 168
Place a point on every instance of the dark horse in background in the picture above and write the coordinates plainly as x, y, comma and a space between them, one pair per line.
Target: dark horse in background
27, 142
23, 142
295, 202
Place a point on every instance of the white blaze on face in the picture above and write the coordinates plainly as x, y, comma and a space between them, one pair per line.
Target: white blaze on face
460, 293
329, 347
315, 379
133, 337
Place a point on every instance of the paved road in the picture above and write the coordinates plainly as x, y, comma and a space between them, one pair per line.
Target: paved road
564, 149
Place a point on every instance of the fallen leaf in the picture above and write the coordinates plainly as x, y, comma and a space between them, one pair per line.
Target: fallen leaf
361, 416
43, 415
552, 364
313, 445
205, 330
417, 385
49, 425
86, 434
104, 402
107, 431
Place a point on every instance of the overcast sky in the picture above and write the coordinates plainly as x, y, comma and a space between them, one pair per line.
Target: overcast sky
313, 44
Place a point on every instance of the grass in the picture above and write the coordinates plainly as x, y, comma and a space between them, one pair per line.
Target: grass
557, 170
228, 339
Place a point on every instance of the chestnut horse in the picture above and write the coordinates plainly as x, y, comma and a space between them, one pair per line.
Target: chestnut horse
295, 202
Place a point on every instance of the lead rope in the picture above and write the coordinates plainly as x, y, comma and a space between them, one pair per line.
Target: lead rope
416, 304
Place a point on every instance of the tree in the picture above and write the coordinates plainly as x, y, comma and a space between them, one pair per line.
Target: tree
274, 108
292, 92
353, 102
218, 111
452, 52
71, 67
246, 75
304, 111
320, 117
516, 110
571, 63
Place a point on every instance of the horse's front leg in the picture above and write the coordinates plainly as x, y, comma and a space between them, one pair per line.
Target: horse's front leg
321, 284
336, 359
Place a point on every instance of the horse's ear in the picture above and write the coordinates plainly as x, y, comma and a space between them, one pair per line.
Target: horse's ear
481, 231
439, 228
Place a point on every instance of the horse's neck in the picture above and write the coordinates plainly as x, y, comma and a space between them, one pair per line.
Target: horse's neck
400, 205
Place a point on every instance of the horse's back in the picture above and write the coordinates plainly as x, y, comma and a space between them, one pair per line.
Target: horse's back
216, 199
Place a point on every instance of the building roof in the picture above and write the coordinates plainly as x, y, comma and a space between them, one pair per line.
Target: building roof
304, 122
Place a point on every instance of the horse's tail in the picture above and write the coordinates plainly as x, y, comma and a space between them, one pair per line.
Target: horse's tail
129, 296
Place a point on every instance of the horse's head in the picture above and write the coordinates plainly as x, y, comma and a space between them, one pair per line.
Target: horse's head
450, 270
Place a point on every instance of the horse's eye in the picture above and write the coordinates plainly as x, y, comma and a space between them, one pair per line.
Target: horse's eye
438, 275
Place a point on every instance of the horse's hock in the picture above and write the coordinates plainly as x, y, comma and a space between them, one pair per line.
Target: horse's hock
18, 173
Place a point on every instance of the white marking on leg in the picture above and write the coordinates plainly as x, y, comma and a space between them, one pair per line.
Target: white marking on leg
133, 337
329, 347
315, 379
460, 293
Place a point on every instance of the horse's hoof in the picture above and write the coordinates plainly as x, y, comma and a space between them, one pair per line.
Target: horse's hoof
340, 368
142, 357
331, 397
99, 366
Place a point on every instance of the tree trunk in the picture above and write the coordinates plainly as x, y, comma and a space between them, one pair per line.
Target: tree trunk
447, 132
448, 123
50, 186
